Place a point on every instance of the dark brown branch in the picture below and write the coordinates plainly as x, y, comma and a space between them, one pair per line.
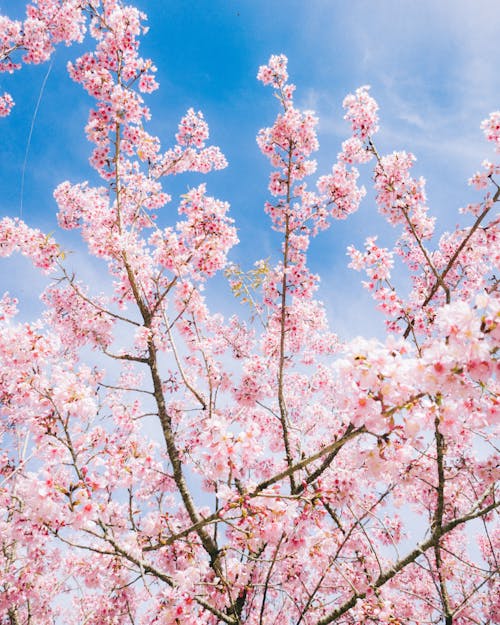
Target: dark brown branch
217, 516
174, 456
126, 357
283, 317
456, 254
322, 467
268, 579
437, 524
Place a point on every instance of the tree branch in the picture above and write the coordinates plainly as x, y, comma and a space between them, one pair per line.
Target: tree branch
408, 559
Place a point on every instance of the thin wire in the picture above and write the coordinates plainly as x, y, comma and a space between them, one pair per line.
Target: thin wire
33, 120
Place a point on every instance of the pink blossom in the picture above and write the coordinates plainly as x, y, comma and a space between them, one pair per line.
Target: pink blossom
8, 307
193, 130
491, 128
274, 73
361, 111
6, 104
341, 190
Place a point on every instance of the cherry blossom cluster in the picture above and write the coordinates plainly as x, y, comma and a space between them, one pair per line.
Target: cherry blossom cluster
15, 235
109, 74
400, 197
361, 111
340, 190
376, 261
193, 130
288, 144
85, 321
190, 153
354, 150
6, 104
8, 307
207, 234
481, 180
491, 128
47, 23
275, 72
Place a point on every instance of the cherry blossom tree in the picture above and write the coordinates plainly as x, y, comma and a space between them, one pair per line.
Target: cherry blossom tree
253, 469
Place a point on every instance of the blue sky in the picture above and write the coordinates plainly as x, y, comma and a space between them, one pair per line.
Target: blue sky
432, 66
